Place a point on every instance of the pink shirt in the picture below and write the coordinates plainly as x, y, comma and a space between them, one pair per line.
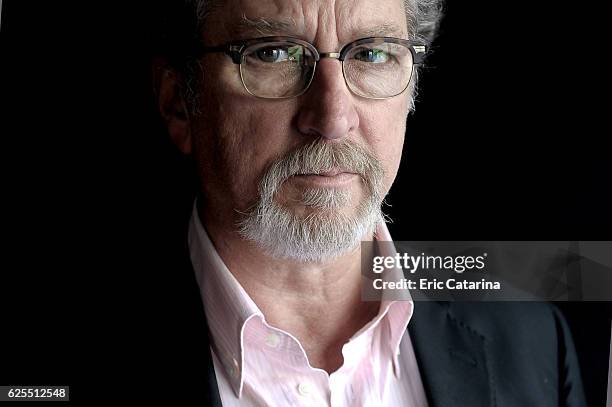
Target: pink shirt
257, 364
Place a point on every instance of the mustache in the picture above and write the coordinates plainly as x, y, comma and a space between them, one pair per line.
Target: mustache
321, 156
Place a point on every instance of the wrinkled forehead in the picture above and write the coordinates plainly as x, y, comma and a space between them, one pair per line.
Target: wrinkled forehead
328, 22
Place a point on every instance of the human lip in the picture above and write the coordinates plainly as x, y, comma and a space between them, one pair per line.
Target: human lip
333, 177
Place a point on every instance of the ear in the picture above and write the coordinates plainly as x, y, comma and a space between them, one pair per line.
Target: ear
167, 84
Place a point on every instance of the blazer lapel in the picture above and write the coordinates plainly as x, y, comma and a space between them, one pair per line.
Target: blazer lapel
210, 392
451, 358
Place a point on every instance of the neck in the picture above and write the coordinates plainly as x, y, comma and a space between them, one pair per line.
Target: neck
318, 303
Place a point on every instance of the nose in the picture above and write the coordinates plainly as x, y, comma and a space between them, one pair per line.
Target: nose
327, 109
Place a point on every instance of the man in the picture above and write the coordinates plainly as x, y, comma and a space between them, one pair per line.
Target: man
295, 114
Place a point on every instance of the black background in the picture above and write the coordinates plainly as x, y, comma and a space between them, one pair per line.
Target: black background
508, 142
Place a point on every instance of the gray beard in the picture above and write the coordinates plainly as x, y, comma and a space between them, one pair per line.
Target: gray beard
325, 232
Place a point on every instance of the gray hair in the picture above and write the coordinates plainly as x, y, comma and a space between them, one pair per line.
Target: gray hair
324, 232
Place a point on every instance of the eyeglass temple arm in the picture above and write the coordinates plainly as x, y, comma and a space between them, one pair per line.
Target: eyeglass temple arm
230, 49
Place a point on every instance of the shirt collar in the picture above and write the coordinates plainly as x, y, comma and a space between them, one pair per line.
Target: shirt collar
227, 305
398, 306
229, 308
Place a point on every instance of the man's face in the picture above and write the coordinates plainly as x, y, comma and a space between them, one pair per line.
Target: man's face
238, 137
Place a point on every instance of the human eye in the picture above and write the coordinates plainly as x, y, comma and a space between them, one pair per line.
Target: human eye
372, 55
273, 54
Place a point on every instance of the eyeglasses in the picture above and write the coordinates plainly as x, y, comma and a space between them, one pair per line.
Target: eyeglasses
283, 67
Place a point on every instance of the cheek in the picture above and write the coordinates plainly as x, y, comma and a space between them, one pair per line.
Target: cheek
384, 126
245, 138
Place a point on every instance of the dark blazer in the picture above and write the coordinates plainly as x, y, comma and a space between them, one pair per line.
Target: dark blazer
469, 354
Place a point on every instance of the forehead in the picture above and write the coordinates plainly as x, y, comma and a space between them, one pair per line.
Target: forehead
323, 21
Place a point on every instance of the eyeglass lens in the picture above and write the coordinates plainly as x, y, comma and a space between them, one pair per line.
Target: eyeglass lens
284, 69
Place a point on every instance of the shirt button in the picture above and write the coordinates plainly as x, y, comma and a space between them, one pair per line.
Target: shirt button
235, 369
304, 389
272, 340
